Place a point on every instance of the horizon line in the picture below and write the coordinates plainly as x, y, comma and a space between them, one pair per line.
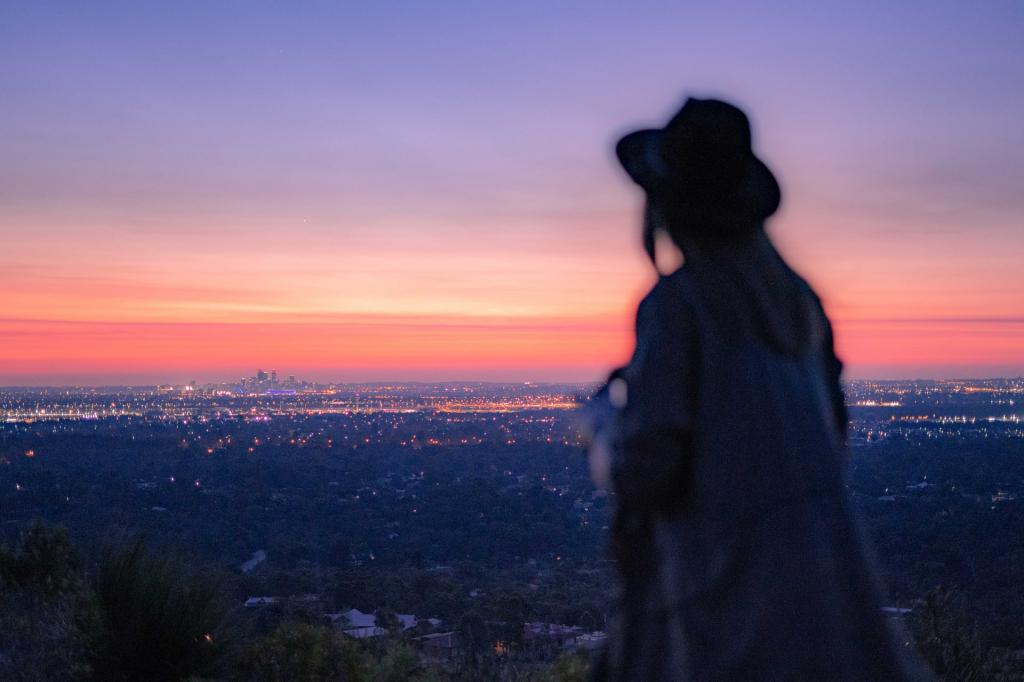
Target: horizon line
490, 382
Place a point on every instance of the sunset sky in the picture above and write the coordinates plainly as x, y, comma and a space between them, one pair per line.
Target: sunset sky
426, 190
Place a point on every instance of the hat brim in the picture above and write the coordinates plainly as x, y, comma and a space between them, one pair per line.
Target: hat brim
640, 154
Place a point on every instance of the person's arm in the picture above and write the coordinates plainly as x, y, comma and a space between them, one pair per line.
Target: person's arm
597, 420
653, 432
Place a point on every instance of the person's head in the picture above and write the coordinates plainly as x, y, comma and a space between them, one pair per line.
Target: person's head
704, 185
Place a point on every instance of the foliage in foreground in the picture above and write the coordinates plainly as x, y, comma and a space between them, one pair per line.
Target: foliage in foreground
46, 614
160, 621
300, 651
140, 614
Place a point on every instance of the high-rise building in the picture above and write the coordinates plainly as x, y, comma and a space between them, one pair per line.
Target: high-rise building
273, 376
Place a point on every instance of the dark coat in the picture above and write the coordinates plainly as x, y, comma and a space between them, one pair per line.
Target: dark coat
739, 555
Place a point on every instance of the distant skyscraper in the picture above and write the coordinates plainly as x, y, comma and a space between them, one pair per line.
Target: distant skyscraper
273, 376
261, 376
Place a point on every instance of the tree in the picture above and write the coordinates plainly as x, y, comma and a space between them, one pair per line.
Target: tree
400, 663
44, 562
474, 636
46, 614
388, 621
160, 620
570, 667
946, 639
300, 652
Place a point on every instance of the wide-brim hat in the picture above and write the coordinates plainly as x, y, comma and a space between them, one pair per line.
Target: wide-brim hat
702, 162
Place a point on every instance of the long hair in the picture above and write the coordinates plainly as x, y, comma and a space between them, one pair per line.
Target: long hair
750, 289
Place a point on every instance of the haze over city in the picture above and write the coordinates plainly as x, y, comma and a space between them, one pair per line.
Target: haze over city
428, 192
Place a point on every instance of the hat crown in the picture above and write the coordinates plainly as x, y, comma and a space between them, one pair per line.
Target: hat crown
700, 169
708, 143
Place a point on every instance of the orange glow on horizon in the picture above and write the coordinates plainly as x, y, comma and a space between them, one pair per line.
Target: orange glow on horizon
354, 350
142, 308
365, 347
114, 297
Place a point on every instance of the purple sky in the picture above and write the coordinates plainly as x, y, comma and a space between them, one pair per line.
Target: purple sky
208, 162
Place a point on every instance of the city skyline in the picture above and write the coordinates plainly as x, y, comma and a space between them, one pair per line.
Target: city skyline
414, 193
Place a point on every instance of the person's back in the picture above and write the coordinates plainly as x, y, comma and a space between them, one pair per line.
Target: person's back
739, 554
763, 559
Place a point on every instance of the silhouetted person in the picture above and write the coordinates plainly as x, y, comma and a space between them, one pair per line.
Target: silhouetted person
740, 558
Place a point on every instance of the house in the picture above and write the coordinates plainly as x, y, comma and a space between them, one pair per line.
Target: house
551, 634
359, 625
364, 632
591, 641
254, 602
440, 646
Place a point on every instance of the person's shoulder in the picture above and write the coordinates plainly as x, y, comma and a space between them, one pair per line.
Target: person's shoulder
807, 291
806, 287
675, 288
816, 304
820, 327
671, 298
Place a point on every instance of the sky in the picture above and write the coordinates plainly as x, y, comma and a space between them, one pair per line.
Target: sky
426, 190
